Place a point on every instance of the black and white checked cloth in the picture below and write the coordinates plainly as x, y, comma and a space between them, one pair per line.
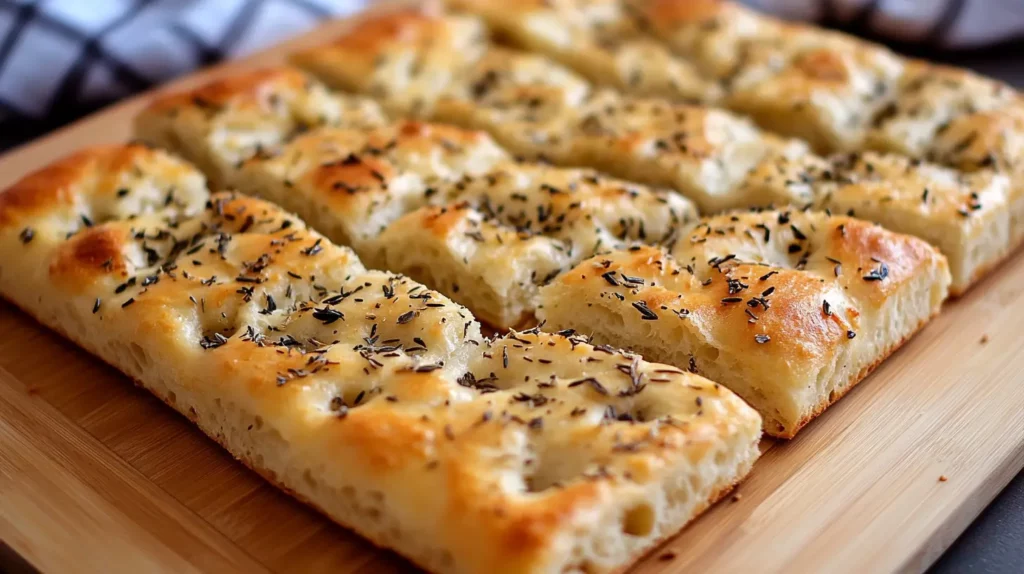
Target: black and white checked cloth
60, 59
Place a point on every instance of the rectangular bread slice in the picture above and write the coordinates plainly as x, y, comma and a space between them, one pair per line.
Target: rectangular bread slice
226, 121
797, 80
536, 108
790, 309
500, 236
794, 79
968, 216
351, 184
363, 393
405, 57
927, 98
600, 40
448, 207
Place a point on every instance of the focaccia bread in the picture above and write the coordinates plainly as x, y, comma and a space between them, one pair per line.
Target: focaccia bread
449, 208
702, 152
789, 309
797, 80
716, 35
525, 101
538, 109
475, 242
405, 58
500, 236
970, 217
600, 40
794, 79
927, 98
361, 392
351, 184
223, 122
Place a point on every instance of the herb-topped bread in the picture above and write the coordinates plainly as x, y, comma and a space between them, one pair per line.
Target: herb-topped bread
789, 309
363, 393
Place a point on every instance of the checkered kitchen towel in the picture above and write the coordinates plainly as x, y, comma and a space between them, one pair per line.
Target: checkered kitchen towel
62, 58
938, 23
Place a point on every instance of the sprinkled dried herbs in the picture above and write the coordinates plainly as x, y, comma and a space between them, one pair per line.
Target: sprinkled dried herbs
645, 312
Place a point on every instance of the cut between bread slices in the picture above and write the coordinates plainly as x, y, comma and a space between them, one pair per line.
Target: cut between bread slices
449, 207
364, 393
788, 309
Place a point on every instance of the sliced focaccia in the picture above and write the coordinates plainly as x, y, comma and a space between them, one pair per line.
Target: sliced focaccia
499, 236
351, 184
525, 101
221, 123
824, 90
449, 208
788, 309
927, 98
797, 80
405, 58
600, 40
703, 153
968, 216
538, 109
363, 393
716, 35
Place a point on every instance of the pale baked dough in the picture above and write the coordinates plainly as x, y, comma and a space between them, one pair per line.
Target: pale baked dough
223, 122
538, 109
499, 236
789, 309
927, 98
406, 58
701, 152
449, 208
600, 40
715, 35
361, 392
968, 216
351, 184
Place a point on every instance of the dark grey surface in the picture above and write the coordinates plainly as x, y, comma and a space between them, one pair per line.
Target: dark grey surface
994, 543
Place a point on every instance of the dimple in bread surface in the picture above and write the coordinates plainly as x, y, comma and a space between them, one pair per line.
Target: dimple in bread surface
223, 122
539, 109
365, 393
789, 309
968, 216
601, 41
449, 207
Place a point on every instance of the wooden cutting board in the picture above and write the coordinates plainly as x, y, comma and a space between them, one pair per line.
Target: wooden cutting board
97, 475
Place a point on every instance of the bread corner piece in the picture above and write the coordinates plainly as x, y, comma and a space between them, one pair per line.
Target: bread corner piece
363, 393
223, 122
787, 309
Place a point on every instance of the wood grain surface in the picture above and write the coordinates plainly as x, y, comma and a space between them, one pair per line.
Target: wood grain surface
96, 475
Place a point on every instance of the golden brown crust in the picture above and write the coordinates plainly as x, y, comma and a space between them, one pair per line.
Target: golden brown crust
787, 308
222, 123
968, 216
368, 394
251, 89
54, 187
406, 58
